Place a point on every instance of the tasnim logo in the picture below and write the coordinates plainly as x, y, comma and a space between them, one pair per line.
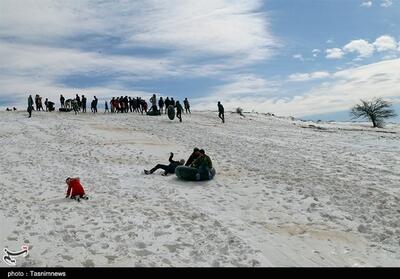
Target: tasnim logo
9, 257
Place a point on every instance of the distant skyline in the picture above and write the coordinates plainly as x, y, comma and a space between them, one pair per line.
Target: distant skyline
301, 58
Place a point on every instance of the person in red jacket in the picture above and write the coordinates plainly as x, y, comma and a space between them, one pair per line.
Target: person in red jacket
75, 189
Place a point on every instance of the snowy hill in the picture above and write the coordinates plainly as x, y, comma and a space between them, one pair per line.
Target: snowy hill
286, 193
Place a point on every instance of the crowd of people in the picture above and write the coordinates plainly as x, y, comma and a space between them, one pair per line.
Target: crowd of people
118, 105
78, 104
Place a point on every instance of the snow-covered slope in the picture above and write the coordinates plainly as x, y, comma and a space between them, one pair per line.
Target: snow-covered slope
286, 193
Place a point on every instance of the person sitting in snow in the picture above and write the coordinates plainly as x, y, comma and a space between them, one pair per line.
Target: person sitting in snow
75, 189
193, 157
204, 165
167, 168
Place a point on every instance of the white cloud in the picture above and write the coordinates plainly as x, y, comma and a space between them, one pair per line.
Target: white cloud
366, 4
384, 43
316, 52
389, 57
54, 62
351, 85
53, 39
246, 91
245, 85
361, 47
239, 91
298, 57
308, 76
345, 89
334, 53
386, 3
212, 26
46, 70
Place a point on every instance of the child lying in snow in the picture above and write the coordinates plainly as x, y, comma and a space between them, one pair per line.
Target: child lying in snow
75, 189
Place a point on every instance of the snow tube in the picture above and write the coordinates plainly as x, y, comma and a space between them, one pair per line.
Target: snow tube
51, 106
171, 112
192, 174
65, 109
154, 113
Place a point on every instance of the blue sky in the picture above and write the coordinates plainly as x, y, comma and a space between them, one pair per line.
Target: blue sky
305, 58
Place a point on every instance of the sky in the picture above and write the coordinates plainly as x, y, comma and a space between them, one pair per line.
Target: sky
311, 59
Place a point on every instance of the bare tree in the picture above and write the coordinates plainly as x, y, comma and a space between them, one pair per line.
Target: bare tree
376, 110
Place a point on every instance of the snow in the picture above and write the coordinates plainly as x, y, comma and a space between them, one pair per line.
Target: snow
286, 193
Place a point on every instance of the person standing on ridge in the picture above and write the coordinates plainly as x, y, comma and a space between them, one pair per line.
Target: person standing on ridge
187, 105
30, 105
221, 112
62, 101
130, 104
79, 102
167, 104
179, 110
106, 107
95, 101
40, 103
153, 100
84, 100
161, 104
37, 102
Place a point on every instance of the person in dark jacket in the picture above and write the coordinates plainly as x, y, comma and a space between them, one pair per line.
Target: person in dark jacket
30, 105
167, 104
179, 110
78, 99
62, 100
84, 101
167, 168
204, 165
193, 157
37, 102
202, 160
161, 104
94, 105
106, 107
187, 105
221, 112
130, 101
